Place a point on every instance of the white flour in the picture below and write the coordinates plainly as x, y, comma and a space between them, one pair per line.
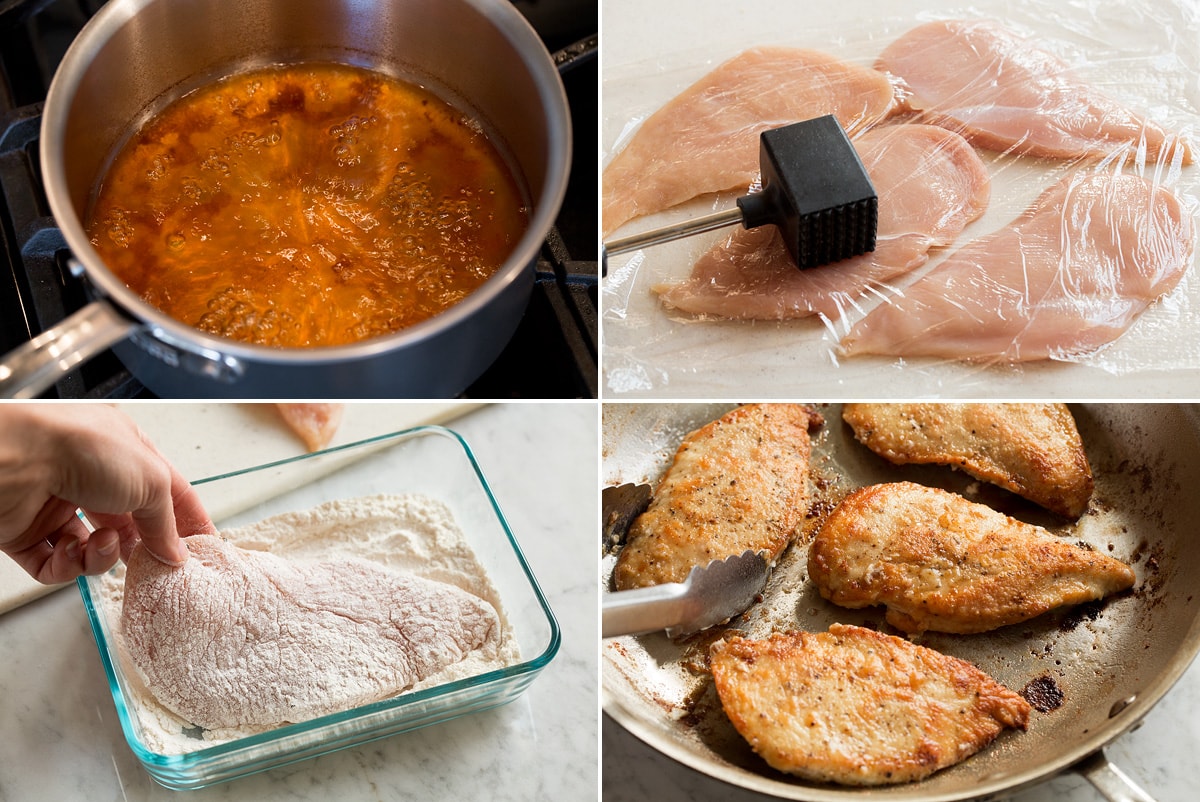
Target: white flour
413, 534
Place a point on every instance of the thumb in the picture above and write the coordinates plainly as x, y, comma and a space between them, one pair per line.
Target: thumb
155, 524
182, 515
172, 504
163, 543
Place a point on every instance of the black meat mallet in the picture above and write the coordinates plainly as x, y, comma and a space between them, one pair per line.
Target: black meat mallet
815, 189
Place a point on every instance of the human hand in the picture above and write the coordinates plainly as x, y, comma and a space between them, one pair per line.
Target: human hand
55, 458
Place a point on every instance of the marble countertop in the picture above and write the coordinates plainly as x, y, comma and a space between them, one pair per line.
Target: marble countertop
1159, 755
62, 739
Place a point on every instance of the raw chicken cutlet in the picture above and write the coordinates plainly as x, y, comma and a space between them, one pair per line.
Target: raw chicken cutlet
1071, 274
1033, 450
739, 483
237, 637
315, 424
857, 707
706, 139
1003, 92
930, 184
942, 563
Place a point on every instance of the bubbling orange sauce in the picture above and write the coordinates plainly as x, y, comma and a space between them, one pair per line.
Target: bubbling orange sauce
307, 205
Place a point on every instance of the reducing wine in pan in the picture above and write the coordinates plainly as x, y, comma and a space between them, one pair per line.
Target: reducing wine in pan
307, 205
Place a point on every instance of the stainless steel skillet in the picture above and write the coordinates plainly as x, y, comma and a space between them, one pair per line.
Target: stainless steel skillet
1110, 662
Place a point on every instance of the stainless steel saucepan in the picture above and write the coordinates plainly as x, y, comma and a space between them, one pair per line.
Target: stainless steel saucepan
1111, 661
135, 55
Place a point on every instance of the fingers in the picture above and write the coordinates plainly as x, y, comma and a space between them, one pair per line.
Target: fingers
122, 523
33, 548
55, 459
75, 556
101, 551
117, 475
35, 560
74, 552
186, 516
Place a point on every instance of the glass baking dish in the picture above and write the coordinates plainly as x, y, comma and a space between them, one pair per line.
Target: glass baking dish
429, 460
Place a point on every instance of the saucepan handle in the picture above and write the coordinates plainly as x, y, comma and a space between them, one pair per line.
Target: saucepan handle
31, 369
1109, 780
576, 54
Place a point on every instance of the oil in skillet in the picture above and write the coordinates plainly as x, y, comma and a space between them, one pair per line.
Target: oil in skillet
305, 205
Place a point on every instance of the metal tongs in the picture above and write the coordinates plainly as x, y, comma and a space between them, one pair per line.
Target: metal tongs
711, 594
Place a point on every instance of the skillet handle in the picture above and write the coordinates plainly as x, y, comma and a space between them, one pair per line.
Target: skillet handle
1109, 780
28, 371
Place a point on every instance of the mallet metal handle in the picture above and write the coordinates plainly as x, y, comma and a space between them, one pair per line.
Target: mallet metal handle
687, 228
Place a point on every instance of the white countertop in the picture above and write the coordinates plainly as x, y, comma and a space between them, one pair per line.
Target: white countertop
59, 730
1160, 756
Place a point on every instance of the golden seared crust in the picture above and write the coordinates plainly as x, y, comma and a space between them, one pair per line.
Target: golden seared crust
1034, 450
738, 483
857, 707
940, 562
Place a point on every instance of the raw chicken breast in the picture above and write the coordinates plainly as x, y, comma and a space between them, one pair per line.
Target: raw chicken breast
315, 424
930, 184
1070, 274
1002, 92
706, 139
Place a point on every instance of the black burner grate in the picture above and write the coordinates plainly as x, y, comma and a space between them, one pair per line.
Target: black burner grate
552, 355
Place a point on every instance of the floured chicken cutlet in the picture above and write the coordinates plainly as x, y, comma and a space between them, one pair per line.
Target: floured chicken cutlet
739, 483
942, 563
1004, 92
1069, 275
857, 707
706, 139
1033, 450
236, 637
930, 184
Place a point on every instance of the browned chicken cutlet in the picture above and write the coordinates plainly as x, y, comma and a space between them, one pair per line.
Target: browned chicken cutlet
857, 707
940, 562
1034, 450
739, 483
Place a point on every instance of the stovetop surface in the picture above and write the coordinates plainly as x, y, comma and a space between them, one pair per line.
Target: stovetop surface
552, 355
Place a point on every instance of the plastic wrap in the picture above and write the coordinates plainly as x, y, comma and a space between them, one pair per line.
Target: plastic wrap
1144, 55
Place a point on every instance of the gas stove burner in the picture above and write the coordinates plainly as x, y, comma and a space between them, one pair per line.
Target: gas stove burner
553, 353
